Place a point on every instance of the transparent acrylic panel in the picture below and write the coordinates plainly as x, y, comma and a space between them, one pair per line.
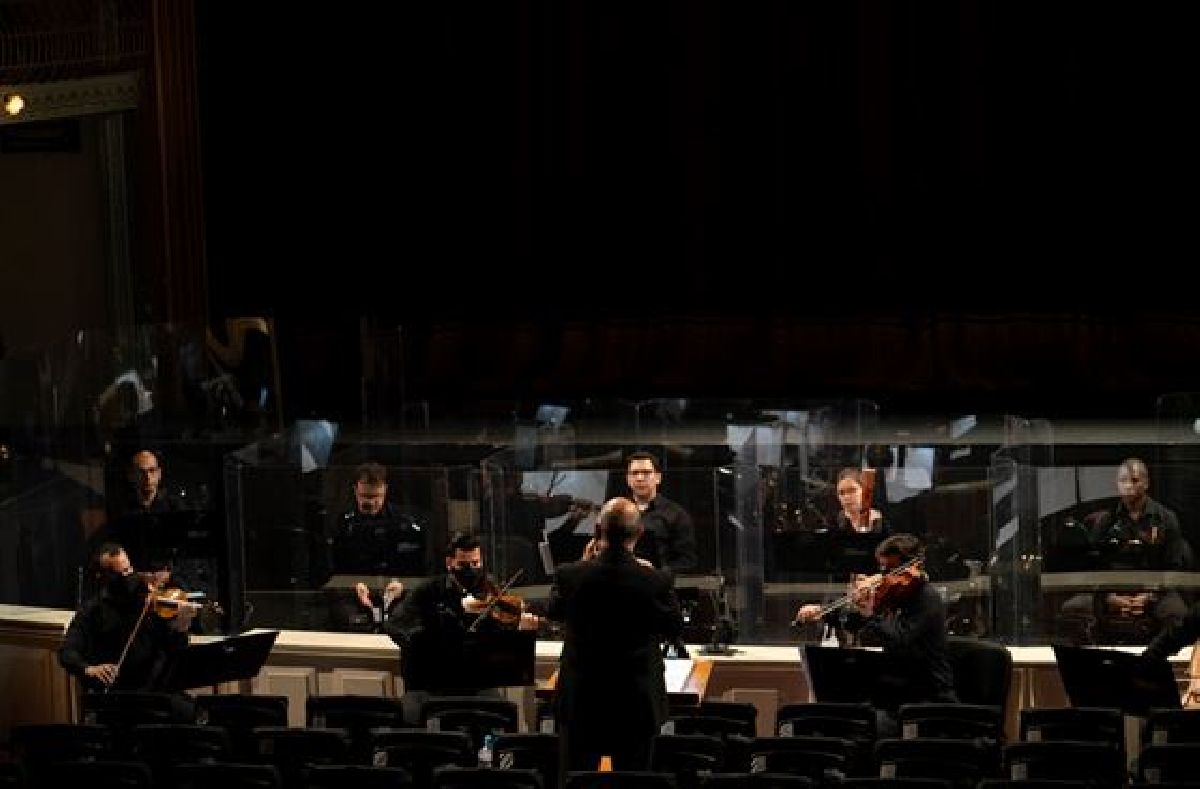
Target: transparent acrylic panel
1114, 571
310, 536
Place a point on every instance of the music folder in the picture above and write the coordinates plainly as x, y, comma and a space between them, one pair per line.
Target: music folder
1112, 678
225, 660
845, 676
501, 658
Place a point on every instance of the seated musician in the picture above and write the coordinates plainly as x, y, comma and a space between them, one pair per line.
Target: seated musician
117, 640
905, 613
1139, 534
859, 526
431, 625
854, 491
374, 537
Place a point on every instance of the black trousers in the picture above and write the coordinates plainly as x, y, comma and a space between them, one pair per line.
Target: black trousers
583, 746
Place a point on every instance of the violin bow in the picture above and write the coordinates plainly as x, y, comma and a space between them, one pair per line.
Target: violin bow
129, 641
485, 613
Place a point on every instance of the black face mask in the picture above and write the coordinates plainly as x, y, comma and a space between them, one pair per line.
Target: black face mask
468, 576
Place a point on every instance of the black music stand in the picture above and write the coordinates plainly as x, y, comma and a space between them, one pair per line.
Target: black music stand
854, 676
1117, 680
226, 660
501, 658
836, 675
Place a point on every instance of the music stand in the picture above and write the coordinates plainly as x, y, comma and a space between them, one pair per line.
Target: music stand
1111, 678
499, 659
839, 676
224, 660
854, 676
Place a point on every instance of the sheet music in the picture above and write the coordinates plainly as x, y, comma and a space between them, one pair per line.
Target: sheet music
677, 673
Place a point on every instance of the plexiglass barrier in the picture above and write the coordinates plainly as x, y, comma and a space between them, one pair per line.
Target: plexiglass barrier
1035, 532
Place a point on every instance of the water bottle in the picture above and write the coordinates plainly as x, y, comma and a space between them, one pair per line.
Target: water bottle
485, 753
829, 636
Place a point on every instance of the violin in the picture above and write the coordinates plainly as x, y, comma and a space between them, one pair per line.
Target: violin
898, 586
884, 591
505, 609
167, 603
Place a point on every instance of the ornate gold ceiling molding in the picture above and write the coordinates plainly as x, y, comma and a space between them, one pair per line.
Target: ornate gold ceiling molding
71, 98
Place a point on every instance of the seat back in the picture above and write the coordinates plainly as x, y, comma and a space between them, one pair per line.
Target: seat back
476, 716
539, 752
1081, 724
294, 750
1100, 763
347, 776
951, 721
168, 744
43, 742
619, 779
687, 756
1172, 726
227, 775
357, 715
1169, 763
239, 714
482, 778
354, 712
756, 781
982, 671
421, 752
122, 710
823, 759
962, 762
95, 775
853, 722
703, 723
742, 711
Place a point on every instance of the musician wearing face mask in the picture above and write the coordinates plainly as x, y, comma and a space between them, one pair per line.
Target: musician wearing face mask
431, 624
114, 641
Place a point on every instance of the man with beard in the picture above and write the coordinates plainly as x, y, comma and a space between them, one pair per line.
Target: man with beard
97, 636
431, 627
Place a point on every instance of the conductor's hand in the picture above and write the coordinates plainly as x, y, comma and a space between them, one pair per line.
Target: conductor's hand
105, 672
645, 562
591, 550
808, 613
363, 594
529, 621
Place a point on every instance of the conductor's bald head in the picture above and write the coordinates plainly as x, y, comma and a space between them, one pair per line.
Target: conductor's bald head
619, 524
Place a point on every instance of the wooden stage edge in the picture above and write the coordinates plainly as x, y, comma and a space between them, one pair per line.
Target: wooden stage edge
314, 663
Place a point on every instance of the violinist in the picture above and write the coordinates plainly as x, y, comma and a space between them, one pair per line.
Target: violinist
904, 613
114, 641
432, 623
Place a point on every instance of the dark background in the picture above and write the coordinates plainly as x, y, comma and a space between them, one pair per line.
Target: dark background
939, 206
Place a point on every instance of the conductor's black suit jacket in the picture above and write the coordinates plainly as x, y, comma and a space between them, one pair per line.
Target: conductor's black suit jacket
615, 614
